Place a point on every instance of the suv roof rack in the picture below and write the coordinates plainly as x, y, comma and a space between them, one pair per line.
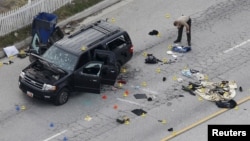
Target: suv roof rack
88, 36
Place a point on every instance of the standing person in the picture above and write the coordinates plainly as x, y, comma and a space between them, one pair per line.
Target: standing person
180, 23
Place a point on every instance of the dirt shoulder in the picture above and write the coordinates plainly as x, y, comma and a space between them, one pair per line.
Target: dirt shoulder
6, 5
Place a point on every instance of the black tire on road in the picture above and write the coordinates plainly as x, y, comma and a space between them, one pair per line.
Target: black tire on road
62, 97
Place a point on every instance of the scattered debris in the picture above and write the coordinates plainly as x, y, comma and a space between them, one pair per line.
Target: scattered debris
8, 63
226, 104
123, 120
186, 72
22, 54
181, 49
194, 71
140, 96
150, 99
240, 89
153, 32
213, 91
162, 121
164, 79
199, 76
189, 89
138, 112
170, 61
17, 108
170, 129
151, 59
220, 92
10, 51
180, 80
51, 124
65, 139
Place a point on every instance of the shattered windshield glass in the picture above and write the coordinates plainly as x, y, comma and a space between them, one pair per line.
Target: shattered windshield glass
61, 58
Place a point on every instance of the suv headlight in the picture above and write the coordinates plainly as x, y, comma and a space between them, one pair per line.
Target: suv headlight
48, 87
22, 74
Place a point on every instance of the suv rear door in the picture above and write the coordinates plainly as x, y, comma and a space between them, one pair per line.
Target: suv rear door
122, 47
109, 71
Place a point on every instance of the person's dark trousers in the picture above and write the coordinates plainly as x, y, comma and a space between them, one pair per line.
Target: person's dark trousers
189, 33
180, 31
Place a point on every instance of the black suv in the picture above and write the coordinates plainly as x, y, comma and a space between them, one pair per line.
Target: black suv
82, 61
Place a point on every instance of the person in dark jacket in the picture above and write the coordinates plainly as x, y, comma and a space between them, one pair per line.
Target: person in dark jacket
180, 23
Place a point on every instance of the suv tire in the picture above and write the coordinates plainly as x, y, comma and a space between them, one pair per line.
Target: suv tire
62, 97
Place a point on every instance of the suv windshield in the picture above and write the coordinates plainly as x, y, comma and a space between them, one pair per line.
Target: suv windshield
61, 58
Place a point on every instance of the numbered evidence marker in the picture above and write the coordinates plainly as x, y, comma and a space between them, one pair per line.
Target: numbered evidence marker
113, 20
158, 70
167, 15
144, 84
145, 54
164, 60
87, 118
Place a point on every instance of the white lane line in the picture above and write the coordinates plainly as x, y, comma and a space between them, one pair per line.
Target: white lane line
131, 102
237, 46
150, 91
58, 134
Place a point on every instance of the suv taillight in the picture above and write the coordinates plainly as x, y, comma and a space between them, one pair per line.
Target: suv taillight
131, 50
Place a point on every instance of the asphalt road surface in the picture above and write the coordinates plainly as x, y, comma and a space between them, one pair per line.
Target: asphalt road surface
220, 40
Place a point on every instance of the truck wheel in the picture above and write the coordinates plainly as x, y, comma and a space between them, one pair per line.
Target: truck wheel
62, 97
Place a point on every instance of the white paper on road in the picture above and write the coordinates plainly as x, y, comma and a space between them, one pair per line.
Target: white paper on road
10, 51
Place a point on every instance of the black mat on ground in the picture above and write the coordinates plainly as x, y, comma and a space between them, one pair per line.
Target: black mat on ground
138, 112
140, 96
226, 104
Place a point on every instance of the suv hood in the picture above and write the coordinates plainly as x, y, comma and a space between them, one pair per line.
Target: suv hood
44, 71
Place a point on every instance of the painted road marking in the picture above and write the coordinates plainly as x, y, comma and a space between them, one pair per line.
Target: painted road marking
131, 102
58, 134
203, 120
237, 46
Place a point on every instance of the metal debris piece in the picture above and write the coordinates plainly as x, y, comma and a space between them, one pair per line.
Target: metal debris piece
164, 79
170, 129
240, 89
122, 119
139, 112
226, 104
150, 99
140, 96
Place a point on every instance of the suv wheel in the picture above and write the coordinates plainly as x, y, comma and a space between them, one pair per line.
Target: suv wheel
62, 97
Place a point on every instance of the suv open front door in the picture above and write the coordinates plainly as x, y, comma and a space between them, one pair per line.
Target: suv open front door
100, 71
87, 78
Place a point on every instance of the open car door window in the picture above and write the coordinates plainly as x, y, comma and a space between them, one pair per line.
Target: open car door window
87, 78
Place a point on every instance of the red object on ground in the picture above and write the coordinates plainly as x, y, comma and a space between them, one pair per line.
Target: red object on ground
122, 81
104, 97
115, 106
